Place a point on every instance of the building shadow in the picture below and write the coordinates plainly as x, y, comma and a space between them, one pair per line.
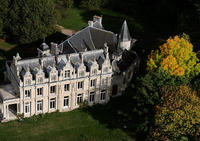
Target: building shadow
118, 114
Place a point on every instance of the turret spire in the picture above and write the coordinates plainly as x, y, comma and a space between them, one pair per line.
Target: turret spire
124, 33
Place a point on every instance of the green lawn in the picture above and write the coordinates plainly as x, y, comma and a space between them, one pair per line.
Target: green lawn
77, 18
76, 125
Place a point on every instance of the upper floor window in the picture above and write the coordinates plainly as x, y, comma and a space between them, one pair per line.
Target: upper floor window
81, 73
67, 73
39, 91
27, 93
52, 89
66, 87
93, 83
40, 80
80, 85
53, 77
28, 81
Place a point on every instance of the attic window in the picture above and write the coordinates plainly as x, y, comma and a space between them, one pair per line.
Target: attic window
105, 69
81, 73
28, 82
94, 71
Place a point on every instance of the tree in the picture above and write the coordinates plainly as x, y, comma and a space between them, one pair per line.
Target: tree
29, 20
175, 57
177, 114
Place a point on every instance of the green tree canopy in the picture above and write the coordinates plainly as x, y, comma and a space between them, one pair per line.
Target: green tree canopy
26, 21
175, 57
178, 113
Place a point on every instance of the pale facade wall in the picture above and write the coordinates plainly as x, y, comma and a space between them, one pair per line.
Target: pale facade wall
59, 94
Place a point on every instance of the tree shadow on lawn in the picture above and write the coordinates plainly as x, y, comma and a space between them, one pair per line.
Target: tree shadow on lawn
117, 113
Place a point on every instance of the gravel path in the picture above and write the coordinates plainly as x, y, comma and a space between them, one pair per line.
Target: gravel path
65, 31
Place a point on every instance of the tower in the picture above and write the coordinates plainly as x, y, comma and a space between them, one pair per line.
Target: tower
124, 39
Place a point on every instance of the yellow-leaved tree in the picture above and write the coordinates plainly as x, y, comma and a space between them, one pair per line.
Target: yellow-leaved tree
175, 57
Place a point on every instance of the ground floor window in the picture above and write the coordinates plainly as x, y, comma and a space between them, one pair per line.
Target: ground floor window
52, 103
103, 95
92, 96
66, 101
39, 106
79, 98
27, 108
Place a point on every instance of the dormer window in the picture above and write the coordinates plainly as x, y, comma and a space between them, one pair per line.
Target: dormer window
40, 80
53, 77
105, 69
81, 73
67, 73
28, 82
94, 71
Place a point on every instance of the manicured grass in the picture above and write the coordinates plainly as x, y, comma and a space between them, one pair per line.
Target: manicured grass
77, 18
76, 125
72, 19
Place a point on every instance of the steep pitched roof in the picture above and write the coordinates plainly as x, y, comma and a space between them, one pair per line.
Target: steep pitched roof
124, 33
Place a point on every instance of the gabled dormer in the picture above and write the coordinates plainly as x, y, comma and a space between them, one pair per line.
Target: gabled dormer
39, 75
94, 68
68, 68
81, 69
27, 77
52, 73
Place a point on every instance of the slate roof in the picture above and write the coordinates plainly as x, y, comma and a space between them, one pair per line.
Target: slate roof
90, 38
50, 61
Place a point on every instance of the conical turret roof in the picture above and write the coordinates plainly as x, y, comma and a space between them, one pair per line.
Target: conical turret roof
124, 33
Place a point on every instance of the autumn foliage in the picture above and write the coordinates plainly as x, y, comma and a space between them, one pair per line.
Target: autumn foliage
175, 57
178, 113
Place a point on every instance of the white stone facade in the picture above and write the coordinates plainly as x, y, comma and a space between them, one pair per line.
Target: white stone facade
56, 80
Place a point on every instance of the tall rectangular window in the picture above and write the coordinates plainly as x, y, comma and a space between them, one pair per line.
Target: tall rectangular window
39, 106
66, 101
27, 93
52, 103
52, 89
67, 73
93, 83
66, 87
80, 85
103, 95
92, 97
27, 108
79, 98
39, 91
